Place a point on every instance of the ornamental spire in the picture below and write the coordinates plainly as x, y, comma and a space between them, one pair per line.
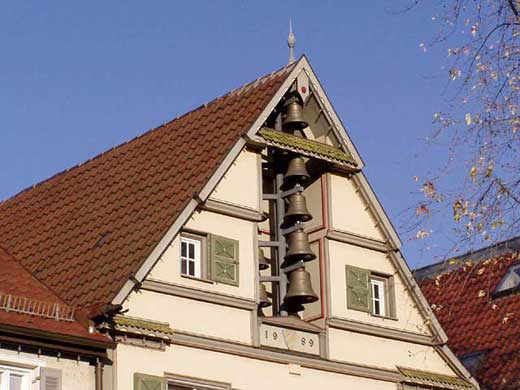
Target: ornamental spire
291, 41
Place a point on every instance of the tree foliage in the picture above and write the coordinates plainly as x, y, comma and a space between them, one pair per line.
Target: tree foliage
480, 125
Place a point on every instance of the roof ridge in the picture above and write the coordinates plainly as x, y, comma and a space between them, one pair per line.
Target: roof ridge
19, 263
148, 132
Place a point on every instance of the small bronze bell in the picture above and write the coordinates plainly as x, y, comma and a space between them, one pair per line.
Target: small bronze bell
262, 293
296, 171
262, 261
293, 117
299, 248
300, 288
297, 210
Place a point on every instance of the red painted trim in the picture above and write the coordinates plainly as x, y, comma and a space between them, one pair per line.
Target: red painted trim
321, 242
324, 219
322, 280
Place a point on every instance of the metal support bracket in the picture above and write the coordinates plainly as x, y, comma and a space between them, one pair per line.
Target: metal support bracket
299, 225
296, 188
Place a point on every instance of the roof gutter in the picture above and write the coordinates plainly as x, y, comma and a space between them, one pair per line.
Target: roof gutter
58, 338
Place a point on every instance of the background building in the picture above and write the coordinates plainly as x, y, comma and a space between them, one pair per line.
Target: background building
476, 300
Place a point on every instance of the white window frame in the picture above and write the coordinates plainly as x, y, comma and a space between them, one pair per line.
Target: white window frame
196, 260
381, 285
7, 371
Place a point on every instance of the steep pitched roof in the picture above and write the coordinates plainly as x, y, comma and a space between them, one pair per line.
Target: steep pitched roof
86, 231
477, 323
25, 303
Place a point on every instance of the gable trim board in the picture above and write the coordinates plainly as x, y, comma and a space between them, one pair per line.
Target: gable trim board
354, 239
374, 330
232, 210
197, 294
358, 178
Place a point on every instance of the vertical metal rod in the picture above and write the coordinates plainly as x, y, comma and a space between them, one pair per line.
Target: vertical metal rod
280, 213
98, 372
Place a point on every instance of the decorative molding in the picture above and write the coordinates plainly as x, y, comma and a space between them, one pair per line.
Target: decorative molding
232, 210
455, 364
379, 331
344, 368
198, 295
354, 239
192, 382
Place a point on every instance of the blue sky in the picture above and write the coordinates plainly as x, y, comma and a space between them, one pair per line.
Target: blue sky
77, 78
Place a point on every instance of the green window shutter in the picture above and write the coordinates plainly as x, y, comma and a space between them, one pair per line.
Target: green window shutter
224, 260
50, 378
359, 292
149, 382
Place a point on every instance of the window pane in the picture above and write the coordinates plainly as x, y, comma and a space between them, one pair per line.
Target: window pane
191, 253
183, 266
376, 291
183, 249
15, 382
377, 307
192, 268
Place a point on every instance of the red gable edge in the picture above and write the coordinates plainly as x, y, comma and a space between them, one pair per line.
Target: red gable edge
475, 321
85, 231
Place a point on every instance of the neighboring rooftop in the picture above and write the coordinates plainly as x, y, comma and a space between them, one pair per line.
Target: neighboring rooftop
483, 327
474, 256
86, 231
25, 303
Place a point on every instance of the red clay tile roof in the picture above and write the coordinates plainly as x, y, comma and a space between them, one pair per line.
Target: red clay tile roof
476, 322
85, 231
18, 282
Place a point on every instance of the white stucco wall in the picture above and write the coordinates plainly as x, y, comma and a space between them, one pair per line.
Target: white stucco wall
348, 212
408, 317
75, 375
241, 183
385, 353
167, 268
192, 316
242, 373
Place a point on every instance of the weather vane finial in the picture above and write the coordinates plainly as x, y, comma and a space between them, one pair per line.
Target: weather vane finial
291, 41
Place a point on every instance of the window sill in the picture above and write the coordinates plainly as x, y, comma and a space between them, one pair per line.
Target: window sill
197, 279
383, 317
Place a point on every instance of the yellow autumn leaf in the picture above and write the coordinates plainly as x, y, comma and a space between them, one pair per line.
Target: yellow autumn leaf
481, 293
489, 169
473, 172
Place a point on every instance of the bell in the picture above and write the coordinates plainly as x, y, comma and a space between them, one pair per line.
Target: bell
262, 261
293, 117
299, 248
297, 210
264, 301
293, 308
296, 171
300, 289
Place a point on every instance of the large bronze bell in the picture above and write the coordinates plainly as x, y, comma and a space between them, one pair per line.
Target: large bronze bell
299, 248
293, 117
300, 288
296, 171
297, 210
264, 301
262, 261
